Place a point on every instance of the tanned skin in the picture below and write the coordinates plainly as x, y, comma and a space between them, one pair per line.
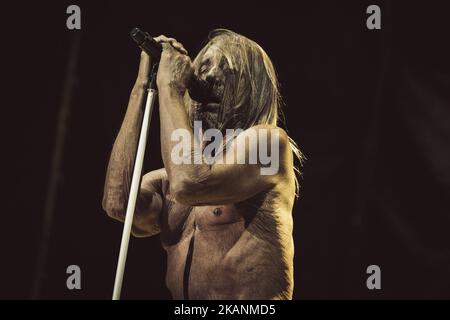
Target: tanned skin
226, 228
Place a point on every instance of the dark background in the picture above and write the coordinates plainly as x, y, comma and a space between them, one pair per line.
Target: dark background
369, 109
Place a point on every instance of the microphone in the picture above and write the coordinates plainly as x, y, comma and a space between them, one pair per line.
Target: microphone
199, 90
147, 43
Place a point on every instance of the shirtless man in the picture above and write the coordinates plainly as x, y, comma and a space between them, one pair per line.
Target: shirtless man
226, 228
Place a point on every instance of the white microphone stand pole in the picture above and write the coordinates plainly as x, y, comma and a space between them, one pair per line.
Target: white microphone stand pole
135, 182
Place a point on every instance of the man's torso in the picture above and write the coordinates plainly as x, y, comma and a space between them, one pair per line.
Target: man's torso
235, 251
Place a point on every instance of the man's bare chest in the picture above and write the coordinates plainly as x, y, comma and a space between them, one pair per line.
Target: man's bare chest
178, 221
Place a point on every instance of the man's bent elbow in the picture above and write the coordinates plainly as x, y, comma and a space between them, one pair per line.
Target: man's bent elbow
112, 209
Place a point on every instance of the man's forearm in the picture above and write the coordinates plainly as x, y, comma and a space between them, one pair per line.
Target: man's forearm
121, 162
173, 116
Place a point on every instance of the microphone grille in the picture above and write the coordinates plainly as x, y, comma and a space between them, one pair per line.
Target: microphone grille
138, 35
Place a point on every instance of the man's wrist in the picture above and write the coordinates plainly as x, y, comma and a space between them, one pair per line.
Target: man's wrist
139, 87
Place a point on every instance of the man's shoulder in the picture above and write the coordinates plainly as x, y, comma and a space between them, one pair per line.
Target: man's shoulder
269, 132
284, 176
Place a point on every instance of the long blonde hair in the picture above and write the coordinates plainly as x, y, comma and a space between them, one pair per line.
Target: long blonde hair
251, 94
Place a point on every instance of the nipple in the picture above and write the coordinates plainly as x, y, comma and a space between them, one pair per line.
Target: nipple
217, 212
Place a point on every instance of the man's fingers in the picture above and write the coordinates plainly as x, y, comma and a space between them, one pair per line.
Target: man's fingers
179, 46
161, 38
166, 45
172, 41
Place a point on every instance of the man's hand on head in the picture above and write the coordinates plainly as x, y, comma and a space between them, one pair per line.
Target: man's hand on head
175, 67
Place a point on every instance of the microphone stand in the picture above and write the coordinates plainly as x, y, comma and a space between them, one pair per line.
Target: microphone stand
151, 92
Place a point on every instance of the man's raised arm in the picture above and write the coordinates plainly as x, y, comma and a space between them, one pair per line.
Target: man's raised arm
196, 184
121, 163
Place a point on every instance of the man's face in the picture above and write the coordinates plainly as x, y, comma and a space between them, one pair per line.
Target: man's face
212, 67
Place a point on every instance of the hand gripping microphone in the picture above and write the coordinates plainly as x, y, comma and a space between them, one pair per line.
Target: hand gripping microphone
199, 90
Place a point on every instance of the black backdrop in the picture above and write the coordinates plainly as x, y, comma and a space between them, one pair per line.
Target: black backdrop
369, 109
